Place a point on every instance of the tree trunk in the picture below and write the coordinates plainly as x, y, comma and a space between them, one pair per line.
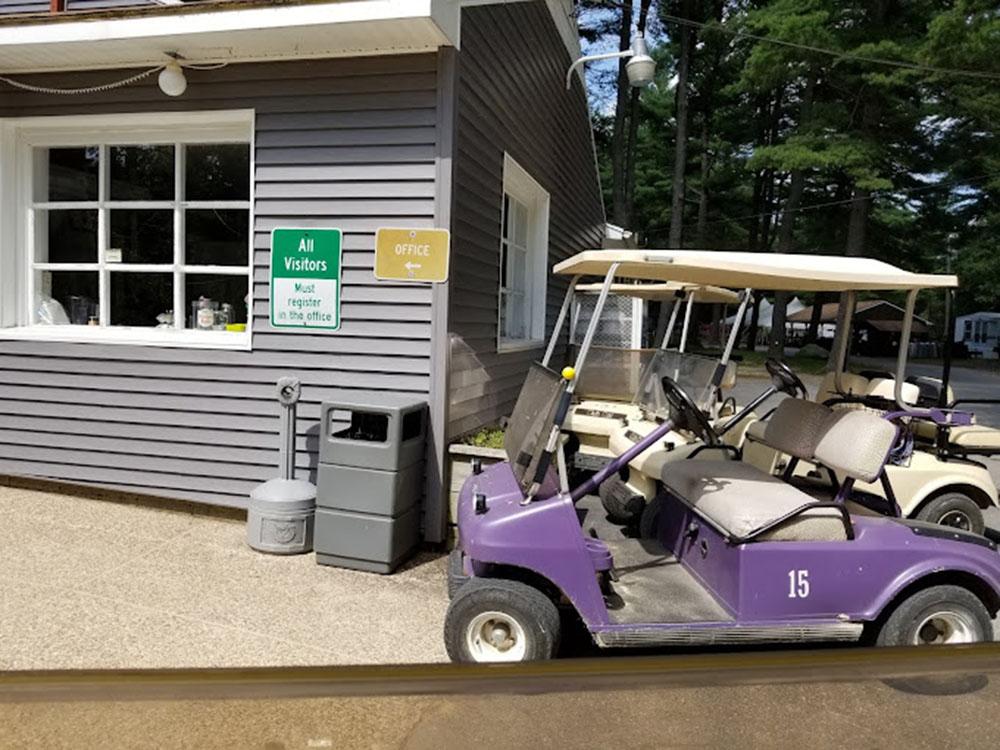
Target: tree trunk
633, 131
618, 140
857, 234
812, 332
796, 187
676, 235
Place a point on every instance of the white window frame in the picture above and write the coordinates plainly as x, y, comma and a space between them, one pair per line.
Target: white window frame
522, 187
18, 139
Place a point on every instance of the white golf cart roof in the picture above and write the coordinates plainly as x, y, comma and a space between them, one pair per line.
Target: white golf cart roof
739, 270
665, 291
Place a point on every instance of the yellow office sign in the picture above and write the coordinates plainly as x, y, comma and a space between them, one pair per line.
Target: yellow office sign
412, 254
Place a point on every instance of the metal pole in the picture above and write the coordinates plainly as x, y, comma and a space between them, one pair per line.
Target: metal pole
849, 299
948, 341
567, 300
675, 308
602, 298
687, 324
904, 345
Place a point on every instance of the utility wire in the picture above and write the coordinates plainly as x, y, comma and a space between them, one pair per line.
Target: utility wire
827, 204
835, 53
86, 89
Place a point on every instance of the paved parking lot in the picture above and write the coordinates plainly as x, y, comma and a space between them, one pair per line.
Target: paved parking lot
88, 583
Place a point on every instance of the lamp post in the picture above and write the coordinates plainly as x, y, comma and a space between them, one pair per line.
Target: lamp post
640, 67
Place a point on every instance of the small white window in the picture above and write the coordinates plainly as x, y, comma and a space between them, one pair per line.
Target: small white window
135, 229
524, 251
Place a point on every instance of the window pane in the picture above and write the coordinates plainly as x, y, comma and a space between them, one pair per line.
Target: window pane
66, 236
71, 172
519, 259
137, 298
66, 297
219, 172
217, 237
213, 300
504, 252
143, 173
505, 219
520, 225
142, 236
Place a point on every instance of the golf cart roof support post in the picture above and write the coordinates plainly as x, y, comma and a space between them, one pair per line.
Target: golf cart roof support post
675, 308
904, 346
849, 300
682, 347
560, 320
947, 341
595, 319
727, 352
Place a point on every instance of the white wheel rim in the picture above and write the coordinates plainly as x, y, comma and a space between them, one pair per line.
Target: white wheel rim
495, 636
945, 628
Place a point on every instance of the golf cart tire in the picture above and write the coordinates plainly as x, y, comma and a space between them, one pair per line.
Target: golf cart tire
900, 627
938, 508
530, 608
649, 521
621, 504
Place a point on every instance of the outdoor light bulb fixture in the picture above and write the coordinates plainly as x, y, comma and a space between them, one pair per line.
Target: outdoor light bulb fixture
172, 81
640, 68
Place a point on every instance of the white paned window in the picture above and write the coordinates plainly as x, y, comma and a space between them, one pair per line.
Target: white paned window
524, 249
135, 229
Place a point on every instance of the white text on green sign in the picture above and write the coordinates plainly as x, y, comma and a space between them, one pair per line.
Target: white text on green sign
305, 278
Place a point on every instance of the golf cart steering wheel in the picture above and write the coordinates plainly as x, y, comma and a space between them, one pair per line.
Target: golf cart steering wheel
687, 415
783, 379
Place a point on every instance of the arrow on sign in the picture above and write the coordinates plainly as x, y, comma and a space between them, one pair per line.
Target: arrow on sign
411, 266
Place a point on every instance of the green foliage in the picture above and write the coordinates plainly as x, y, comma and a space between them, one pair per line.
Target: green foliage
486, 437
924, 142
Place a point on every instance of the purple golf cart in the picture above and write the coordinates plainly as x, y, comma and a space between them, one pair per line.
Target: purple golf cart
738, 556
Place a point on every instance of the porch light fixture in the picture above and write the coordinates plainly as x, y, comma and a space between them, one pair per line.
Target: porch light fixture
640, 68
171, 80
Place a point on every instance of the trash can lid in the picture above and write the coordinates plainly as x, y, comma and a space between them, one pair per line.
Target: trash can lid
288, 494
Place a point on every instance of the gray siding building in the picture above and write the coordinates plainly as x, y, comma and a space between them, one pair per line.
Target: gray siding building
125, 213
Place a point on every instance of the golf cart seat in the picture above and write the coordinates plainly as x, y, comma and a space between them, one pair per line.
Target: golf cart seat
859, 386
744, 501
975, 437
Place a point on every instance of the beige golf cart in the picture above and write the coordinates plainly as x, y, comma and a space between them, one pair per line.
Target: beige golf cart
930, 474
607, 388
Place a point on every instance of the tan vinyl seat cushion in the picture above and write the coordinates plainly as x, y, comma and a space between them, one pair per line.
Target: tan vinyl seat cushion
975, 436
740, 499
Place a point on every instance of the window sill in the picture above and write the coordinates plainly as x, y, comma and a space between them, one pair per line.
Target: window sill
159, 337
519, 346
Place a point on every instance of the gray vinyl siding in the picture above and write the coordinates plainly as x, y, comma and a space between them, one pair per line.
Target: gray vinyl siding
511, 97
346, 143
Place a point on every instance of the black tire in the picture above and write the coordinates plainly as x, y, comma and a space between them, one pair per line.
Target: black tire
954, 509
649, 522
528, 607
621, 506
911, 622
456, 575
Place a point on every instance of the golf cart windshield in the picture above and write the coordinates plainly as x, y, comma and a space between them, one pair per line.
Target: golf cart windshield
530, 425
612, 374
693, 373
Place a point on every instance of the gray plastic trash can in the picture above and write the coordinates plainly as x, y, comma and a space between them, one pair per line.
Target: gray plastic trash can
370, 481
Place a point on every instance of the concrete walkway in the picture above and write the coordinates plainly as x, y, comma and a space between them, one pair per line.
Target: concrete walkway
89, 583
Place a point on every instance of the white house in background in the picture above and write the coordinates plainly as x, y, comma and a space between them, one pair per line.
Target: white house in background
980, 332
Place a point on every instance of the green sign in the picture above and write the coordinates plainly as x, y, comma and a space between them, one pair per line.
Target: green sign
305, 278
